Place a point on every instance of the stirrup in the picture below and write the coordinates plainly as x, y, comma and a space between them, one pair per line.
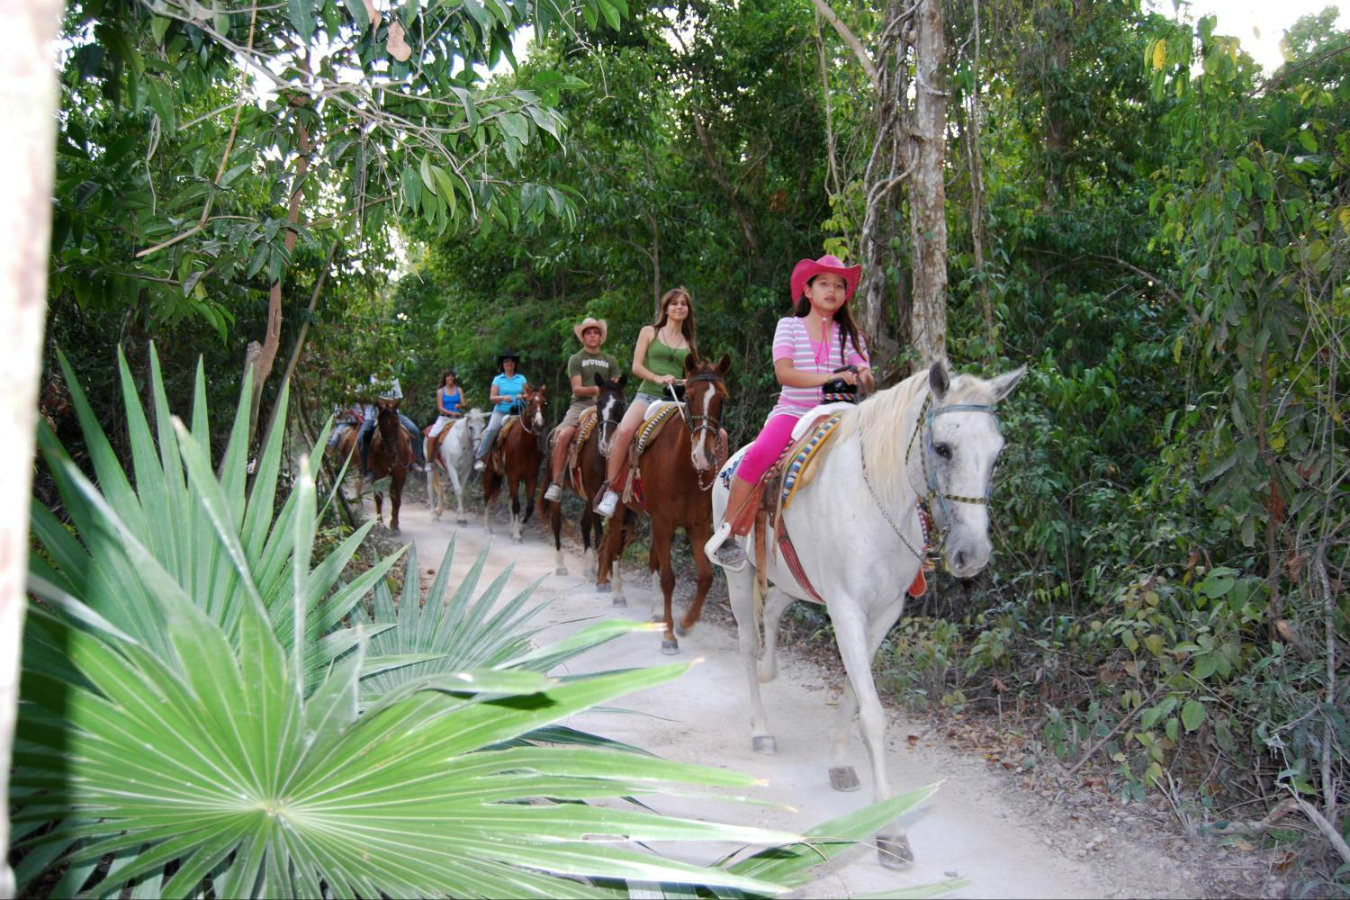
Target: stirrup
729, 556
606, 505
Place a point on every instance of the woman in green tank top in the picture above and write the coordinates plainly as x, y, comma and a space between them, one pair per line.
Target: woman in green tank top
658, 359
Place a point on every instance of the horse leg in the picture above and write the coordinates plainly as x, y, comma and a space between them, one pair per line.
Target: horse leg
856, 650
662, 536
513, 489
741, 591
379, 508
555, 522
775, 605
395, 501
609, 559
458, 487
698, 536
489, 494
597, 533
842, 775
433, 492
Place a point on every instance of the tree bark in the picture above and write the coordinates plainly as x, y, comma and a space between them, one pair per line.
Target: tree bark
927, 191
977, 232
28, 102
262, 365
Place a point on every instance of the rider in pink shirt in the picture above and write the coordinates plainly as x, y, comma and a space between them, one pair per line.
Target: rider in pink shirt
809, 349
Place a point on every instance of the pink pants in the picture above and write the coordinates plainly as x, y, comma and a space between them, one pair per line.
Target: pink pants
773, 439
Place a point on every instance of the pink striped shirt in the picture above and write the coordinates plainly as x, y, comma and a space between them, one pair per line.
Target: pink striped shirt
792, 341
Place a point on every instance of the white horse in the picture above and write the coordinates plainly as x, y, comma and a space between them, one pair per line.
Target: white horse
858, 535
454, 459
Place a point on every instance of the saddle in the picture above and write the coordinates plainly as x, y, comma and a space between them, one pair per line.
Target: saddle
658, 415
590, 417
498, 452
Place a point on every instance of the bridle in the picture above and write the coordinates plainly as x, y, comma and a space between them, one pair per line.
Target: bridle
924, 422
530, 408
700, 424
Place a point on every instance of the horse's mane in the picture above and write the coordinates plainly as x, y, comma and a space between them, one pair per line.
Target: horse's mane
878, 422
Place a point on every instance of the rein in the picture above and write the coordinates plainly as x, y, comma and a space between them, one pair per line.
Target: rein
521, 416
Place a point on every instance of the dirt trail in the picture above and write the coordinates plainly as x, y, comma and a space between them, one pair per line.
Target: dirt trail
1005, 843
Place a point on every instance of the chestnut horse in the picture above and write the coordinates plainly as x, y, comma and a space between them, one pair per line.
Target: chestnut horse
610, 405
678, 470
390, 454
522, 449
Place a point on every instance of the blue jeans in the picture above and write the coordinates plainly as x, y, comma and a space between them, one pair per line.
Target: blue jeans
494, 426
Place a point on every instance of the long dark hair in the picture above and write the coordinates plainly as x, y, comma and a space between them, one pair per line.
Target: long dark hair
848, 329
687, 327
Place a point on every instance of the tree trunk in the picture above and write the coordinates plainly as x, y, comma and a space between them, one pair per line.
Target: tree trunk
927, 191
886, 170
262, 364
977, 232
720, 175
28, 103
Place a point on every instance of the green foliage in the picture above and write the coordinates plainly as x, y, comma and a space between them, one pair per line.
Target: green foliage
196, 717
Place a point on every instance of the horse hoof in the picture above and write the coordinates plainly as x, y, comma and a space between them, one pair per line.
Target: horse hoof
843, 778
517, 540
561, 570
462, 521
619, 601
604, 588
895, 852
670, 648
764, 743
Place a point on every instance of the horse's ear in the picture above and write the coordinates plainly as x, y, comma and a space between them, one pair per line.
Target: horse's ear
621, 380
598, 379
690, 363
724, 365
1003, 384
938, 382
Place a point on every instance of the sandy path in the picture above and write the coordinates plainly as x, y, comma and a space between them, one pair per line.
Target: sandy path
1005, 843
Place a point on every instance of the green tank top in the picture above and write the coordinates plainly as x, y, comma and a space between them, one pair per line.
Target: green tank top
662, 360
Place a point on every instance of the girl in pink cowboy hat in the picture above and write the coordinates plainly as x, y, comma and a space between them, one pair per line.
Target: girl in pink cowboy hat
808, 349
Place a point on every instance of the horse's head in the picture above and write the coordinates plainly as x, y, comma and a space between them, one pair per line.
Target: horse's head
610, 405
705, 394
474, 422
532, 409
960, 442
387, 420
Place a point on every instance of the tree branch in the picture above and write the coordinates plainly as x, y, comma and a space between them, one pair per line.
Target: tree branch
851, 39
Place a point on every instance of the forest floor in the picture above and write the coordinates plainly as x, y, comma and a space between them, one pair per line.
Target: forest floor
1007, 829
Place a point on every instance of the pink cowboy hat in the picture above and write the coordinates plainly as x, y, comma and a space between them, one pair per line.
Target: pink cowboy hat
807, 269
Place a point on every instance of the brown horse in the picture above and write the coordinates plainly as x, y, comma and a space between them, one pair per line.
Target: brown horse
390, 454
610, 405
522, 450
678, 470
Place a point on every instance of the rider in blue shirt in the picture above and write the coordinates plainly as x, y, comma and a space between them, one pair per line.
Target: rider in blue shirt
505, 394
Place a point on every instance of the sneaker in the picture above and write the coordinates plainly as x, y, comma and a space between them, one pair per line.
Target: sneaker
479, 465
607, 504
554, 493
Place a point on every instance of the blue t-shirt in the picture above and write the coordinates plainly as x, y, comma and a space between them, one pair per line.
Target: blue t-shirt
508, 387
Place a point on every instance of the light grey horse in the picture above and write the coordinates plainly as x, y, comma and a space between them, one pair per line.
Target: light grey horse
454, 459
858, 535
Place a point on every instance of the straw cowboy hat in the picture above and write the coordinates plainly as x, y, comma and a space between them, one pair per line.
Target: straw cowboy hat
807, 269
589, 322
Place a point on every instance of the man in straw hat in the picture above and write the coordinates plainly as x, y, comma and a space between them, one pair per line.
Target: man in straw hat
582, 367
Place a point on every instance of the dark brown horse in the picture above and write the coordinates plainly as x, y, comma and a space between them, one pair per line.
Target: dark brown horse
390, 454
678, 469
610, 405
522, 450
